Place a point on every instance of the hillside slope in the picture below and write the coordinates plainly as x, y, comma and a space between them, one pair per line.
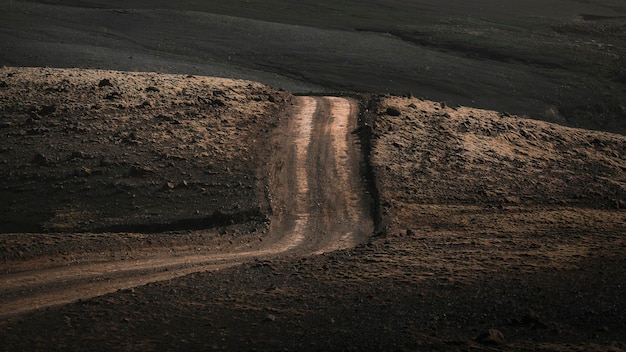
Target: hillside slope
494, 233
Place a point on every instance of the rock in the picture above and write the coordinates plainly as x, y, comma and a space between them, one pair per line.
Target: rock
270, 317
410, 233
84, 172
218, 102
107, 163
152, 89
47, 110
37, 131
491, 337
131, 138
533, 321
80, 155
137, 171
391, 111
168, 186
41, 159
413, 106
145, 104
105, 83
3, 84
112, 96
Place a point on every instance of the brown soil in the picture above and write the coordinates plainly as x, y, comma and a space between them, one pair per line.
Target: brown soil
493, 232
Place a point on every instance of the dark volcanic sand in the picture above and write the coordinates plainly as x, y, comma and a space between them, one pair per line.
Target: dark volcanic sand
555, 60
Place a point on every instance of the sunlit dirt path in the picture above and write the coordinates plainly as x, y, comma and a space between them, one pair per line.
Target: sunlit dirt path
319, 203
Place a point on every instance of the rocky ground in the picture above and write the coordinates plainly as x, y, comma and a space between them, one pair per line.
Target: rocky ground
104, 151
493, 232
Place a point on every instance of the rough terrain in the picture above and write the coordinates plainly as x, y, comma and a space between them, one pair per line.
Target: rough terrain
493, 232
311, 191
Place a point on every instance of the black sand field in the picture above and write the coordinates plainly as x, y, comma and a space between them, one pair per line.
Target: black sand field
556, 60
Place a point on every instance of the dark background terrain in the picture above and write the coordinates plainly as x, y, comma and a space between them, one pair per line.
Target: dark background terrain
496, 232
558, 60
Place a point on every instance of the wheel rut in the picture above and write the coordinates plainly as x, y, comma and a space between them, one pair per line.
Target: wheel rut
320, 205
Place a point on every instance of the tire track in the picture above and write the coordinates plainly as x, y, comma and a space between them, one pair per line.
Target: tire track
325, 209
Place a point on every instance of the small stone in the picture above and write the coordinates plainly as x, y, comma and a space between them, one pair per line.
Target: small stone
218, 102
410, 233
112, 96
137, 170
37, 131
3, 84
41, 159
85, 171
145, 104
491, 337
107, 163
105, 83
391, 111
80, 155
532, 320
168, 186
152, 89
47, 110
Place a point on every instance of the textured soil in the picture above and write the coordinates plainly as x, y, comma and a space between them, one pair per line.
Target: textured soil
493, 232
311, 185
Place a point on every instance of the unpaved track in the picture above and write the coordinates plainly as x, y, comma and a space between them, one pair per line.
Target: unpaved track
320, 202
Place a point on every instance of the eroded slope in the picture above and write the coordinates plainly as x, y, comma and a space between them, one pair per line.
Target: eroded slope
89, 150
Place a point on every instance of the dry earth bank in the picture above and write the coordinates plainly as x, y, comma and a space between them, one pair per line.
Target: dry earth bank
105, 151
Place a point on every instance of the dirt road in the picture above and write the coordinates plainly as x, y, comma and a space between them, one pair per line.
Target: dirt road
318, 201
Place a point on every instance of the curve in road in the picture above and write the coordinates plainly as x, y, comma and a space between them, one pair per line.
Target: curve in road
320, 205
